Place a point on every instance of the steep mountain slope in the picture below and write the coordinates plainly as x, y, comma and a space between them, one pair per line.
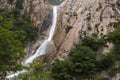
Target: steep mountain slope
76, 19
92, 18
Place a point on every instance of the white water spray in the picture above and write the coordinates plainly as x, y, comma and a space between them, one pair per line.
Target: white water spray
42, 49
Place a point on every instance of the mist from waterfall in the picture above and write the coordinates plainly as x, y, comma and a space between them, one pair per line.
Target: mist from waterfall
42, 49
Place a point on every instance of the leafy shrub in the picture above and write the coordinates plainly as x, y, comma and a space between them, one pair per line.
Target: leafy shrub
114, 37
68, 28
113, 71
11, 52
94, 44
83, 62
62, 70
36, 72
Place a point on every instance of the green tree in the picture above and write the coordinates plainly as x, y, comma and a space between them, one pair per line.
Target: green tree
114, 37
81, 64
16, 31
94, 44
84, 60
62, 70
36, 71
105, 62
11, 52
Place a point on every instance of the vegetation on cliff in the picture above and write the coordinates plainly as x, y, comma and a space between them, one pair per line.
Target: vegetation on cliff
85, 62
15, 31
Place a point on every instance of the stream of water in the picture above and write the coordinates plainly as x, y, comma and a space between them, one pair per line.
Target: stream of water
42, 49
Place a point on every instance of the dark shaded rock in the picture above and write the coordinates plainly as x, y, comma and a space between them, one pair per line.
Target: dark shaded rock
55, 2
47, 22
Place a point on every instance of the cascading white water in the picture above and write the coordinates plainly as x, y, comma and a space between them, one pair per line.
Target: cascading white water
15, 74
42, 49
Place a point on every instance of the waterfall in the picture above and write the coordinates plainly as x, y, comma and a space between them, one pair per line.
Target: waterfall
42, 49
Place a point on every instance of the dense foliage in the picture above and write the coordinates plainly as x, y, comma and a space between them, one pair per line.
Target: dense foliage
15, 31
11, 51
82, 63
37, 71
114, 37
93, 43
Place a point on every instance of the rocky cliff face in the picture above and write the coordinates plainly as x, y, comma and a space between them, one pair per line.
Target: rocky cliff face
76, 18
86, 17
38, 10
4, 4
40, 13
41, 16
